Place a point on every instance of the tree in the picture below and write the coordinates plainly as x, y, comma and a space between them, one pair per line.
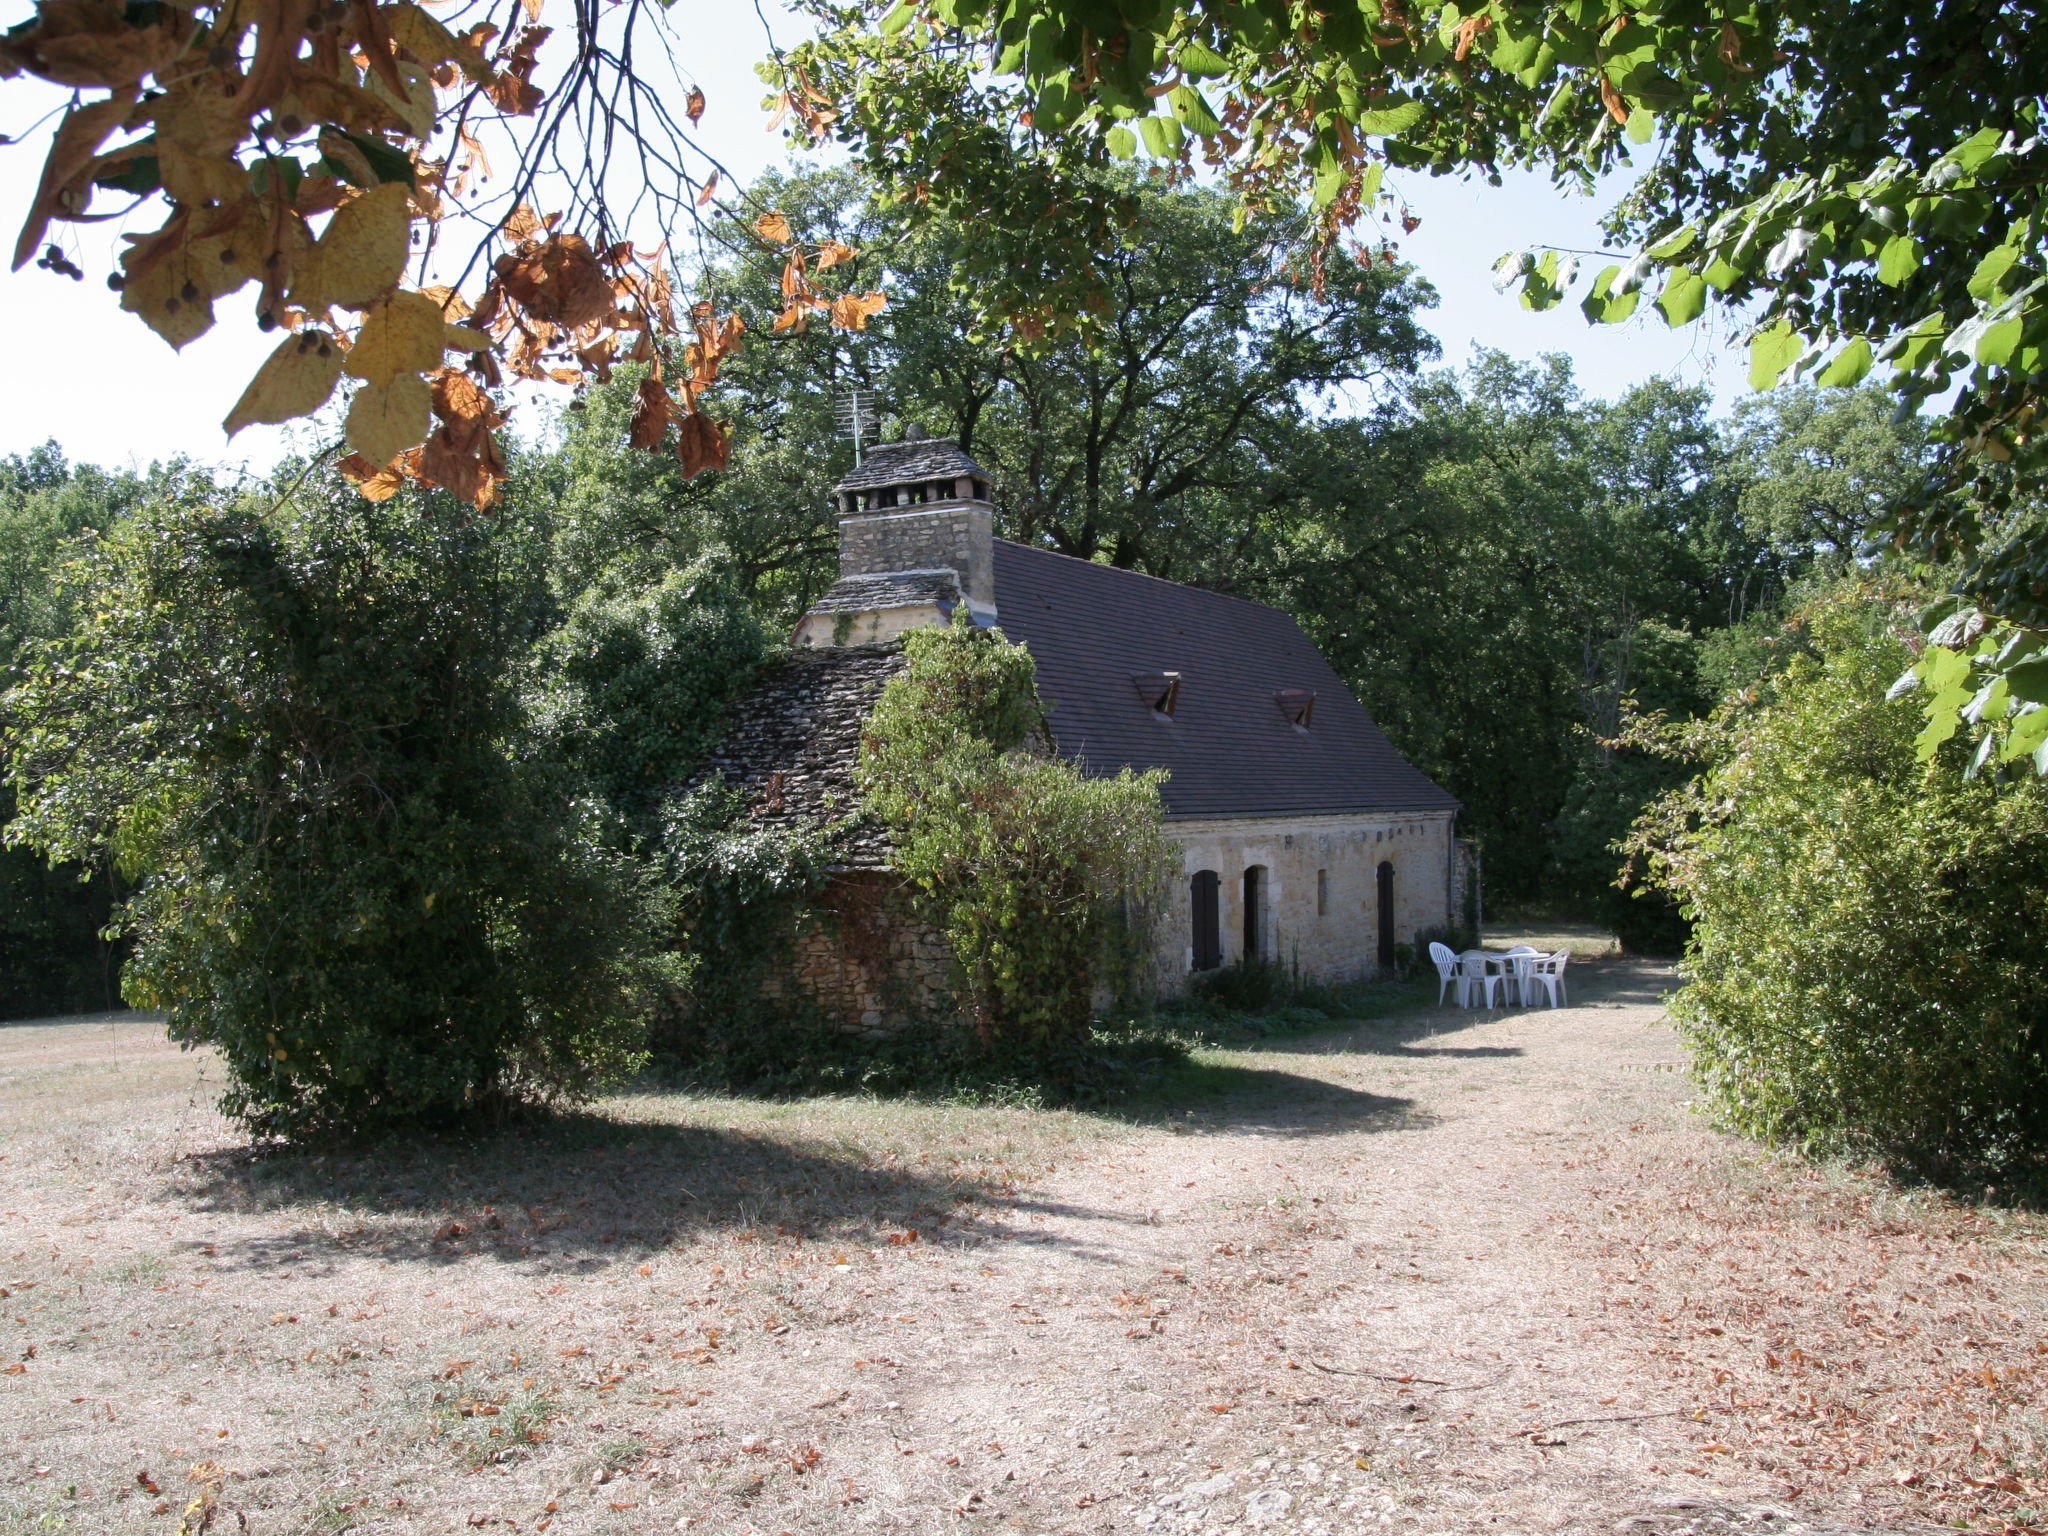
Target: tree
1043, 880
1173, 447
1858, 188
1819, 468
52, 955
328, 154
299, 735
1869, 929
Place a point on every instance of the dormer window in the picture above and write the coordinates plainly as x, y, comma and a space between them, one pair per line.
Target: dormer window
1298, 705
1159, 690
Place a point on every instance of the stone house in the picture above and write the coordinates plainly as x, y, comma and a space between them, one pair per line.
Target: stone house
1305, 838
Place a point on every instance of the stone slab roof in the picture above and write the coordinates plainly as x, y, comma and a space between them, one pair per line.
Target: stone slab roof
893, 589
912, 463
794, 738
1229, 745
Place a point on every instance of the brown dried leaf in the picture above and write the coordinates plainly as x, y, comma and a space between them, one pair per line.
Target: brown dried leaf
652, 410
88, 43
773, 226
386, 419
295, 380
701, 444
77, 140
693, 106
796, 316
709, 191
850, 311
360, 254
559, 280
833, 252
454, 307
375, 483
426, 39
402, 333
1611, 99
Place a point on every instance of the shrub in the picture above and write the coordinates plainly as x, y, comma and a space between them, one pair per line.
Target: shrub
300, 736
1870, 933
1044, 881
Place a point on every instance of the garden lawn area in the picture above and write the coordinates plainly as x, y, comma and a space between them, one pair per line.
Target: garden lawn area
1426, 1273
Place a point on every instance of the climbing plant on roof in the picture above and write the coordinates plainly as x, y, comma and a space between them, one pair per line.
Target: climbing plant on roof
1042, 879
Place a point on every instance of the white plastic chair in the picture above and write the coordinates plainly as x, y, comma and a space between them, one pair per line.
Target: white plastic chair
1548, 971
1446, 961
1522, 955
1476, 969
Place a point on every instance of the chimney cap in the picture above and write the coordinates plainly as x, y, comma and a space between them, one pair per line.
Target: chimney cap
915, 462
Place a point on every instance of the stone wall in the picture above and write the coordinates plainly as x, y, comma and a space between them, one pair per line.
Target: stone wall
865, 961
1321, 893
955, 536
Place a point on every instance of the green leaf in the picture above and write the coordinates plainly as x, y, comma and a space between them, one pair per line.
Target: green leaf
1899, 260
1720, 276
1683, 298
2028, 681
1771, 352
1984, 281
1641, 126
902, 16
1201, 62
1121, 141
1162, 135
1191, 109
1390, 120
1849, 365
2029, 732
1674, 244
1944, 719
1995, 346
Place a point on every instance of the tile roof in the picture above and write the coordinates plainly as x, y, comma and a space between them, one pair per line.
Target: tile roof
891, 589
1093, 629
795, 735
911, 463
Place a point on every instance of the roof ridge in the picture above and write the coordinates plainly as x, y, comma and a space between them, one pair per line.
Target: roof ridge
1165, 581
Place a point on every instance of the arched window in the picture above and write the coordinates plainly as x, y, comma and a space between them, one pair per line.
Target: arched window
1386, 906
1254, 911
1205, 890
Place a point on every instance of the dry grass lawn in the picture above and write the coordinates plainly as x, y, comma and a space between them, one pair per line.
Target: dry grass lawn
1440, 1274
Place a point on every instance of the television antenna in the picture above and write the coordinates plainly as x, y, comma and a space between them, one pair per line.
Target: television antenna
860, 414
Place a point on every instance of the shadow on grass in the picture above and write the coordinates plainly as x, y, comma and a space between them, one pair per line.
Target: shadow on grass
585, 1189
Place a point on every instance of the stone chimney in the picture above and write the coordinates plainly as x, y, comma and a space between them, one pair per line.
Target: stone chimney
916, 539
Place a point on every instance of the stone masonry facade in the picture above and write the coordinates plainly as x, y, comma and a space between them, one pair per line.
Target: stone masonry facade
950, 536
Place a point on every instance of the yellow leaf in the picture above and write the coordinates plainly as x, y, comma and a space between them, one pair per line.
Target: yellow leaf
361, 252
460, 338
773, 226
416, 104
386, 419
195, 180
201, 122
175, 296
431, 43
295, 380
402, 333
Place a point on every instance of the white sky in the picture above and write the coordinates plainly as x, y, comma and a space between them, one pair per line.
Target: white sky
111, 392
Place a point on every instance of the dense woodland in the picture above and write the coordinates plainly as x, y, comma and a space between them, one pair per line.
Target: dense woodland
1499, 565
344, 771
